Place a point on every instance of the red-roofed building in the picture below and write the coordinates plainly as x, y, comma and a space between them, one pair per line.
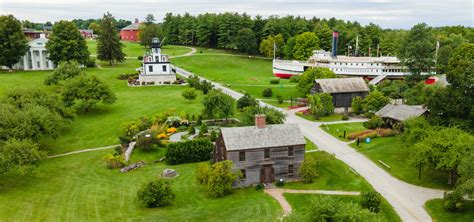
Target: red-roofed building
130, 33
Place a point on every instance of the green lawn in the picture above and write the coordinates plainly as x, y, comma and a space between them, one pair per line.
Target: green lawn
101, 126
133, 49
392, 151
240, 73
337, 130
300, 201
331, 118
310, 145
80, 188
435, 209
333, 175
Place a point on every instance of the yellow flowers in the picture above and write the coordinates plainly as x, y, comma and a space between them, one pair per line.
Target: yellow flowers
171, 130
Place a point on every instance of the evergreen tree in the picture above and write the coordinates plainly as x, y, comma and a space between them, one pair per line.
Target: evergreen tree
417, 51
109, 47
13, 43
149, 19
66, 43
148, 32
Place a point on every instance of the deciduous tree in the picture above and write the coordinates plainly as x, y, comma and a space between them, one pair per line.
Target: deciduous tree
218, 105
16, 155
305, 43
13, 42
272, 116
320, 104
306, 82
65, 71
85, 92
189, 94
66, 43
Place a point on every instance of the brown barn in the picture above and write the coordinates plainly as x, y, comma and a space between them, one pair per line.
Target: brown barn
342, 90
393, 114
263, 153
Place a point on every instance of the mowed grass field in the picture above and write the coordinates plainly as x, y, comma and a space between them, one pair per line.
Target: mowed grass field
101, 126
300, 202
393, 152
241, 73
132, 49
80, 188
435, 209
337, 130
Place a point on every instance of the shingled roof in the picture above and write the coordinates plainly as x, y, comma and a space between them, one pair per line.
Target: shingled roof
133, 26
343, 85
400, 112
251, 137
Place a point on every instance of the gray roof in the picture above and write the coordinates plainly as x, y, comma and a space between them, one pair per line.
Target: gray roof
341, 85
133, 26
400, 112
251, 137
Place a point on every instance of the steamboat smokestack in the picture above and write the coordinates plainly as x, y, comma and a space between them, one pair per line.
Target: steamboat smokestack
335, 36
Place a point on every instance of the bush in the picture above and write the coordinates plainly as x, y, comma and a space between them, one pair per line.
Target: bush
246, 101
259, 186
192, 130
213, 136
140, 58
189, 94
90, 62
374, 123
295, 79
113, 161
309, 169
267, 92
218, 178
344, 117
357, 105
371, 200
203, 128
156, 194
453, 201
275, 81
362, 134
280, 99
280, 183
191, 151
147, 143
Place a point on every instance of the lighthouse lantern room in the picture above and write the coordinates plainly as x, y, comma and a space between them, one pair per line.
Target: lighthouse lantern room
156, 68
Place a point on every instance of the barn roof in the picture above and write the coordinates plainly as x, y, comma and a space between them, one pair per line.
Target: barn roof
342, 85
133, 26
251, 137
400, 112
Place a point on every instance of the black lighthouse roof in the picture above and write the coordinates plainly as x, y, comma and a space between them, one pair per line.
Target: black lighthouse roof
155, 43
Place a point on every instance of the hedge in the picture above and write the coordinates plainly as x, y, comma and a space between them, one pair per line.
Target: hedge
190, 151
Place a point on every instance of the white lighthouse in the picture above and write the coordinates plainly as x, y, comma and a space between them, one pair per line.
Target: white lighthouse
156, 68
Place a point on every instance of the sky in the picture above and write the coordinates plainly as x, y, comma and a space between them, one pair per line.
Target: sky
386, 13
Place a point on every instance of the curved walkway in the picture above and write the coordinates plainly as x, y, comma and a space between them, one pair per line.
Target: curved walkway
83, 151
408, 200
277, 194
193, 50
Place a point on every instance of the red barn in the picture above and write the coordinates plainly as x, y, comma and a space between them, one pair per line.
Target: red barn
130, 33
86, 33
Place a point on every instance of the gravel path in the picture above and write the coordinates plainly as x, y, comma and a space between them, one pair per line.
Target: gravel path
407, 200
83, 151
277, 194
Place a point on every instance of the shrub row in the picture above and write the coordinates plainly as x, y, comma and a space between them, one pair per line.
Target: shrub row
189, 151
372, 133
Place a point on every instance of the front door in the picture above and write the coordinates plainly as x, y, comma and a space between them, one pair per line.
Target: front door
266, 174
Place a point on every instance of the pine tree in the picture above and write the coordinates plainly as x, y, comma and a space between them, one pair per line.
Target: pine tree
109, 47
13, 42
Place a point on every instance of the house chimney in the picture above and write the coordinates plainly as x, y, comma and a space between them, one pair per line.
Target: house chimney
335, 36
260, 121
136, 20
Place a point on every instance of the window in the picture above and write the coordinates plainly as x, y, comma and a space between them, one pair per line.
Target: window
150, 68
290, 151
164, 68
157, 58
242, 156
244, 175
290, 169
267, 154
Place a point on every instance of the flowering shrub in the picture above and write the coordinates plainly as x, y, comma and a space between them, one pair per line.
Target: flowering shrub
113, 161
162, 136
171, 130
372, 133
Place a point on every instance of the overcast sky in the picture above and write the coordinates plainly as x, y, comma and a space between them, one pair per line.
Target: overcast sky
386, 13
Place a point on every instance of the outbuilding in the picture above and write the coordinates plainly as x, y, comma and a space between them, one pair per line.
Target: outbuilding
262, 153
131, 32
395, 114
342, 90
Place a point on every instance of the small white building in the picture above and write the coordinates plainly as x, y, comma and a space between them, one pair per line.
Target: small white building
36, 58
156, 68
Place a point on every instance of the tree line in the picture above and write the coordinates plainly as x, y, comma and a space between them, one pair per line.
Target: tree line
243, 33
